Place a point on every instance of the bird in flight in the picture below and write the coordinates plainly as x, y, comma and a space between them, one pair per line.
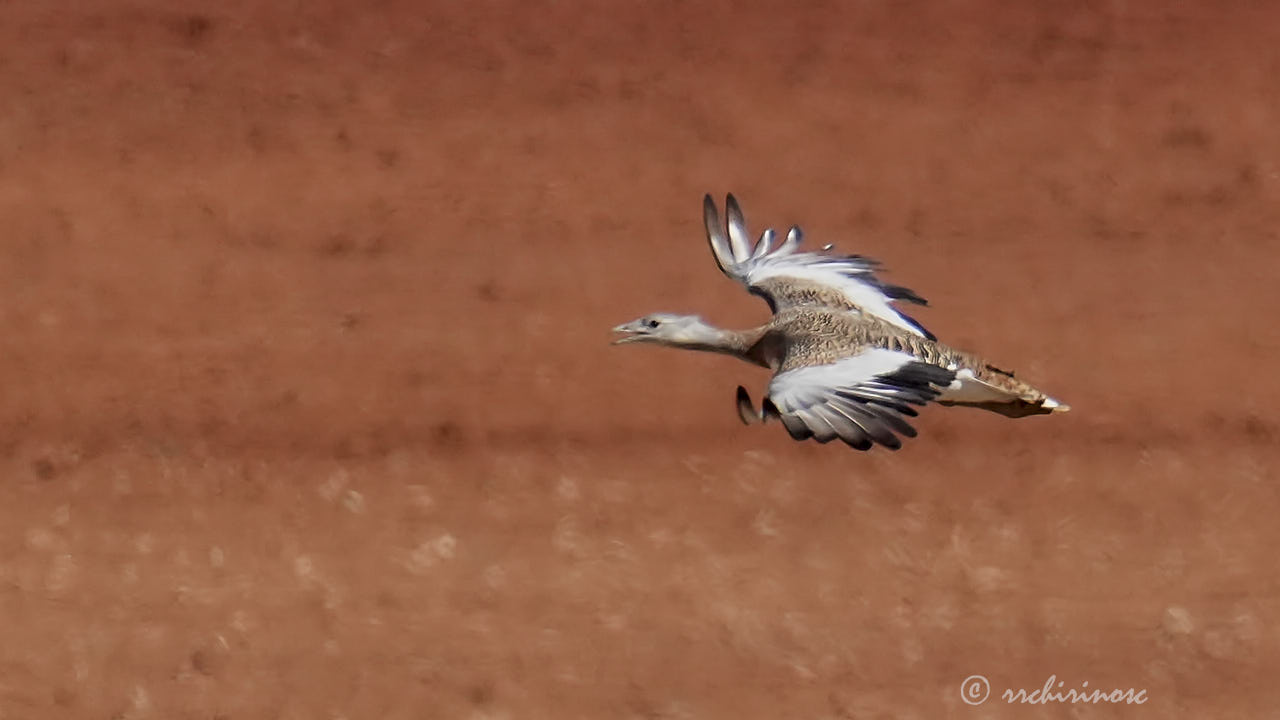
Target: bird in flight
847, 363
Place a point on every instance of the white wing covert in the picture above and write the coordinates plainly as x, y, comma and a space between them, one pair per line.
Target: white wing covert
860, 400
787, 277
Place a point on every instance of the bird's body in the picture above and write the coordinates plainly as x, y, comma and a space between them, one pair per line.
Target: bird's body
847, 364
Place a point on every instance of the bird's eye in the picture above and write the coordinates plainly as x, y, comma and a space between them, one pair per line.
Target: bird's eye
652, 323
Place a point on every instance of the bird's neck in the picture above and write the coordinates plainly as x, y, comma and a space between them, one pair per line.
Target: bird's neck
741, 344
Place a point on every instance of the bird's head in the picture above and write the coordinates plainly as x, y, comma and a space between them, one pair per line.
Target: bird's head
665, 329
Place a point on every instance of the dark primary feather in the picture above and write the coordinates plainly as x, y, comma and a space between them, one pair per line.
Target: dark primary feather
746, 410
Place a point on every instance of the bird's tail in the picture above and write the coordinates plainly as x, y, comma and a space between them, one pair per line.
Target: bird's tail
995, 390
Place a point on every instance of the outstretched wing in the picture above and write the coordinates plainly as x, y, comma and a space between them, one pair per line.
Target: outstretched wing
861, 399
787, 277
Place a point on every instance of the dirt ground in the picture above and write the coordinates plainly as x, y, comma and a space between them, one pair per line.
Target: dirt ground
310, 412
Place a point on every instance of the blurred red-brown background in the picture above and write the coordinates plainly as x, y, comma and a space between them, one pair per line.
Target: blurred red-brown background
310, 411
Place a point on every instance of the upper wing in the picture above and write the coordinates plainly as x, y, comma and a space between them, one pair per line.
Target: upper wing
786, 277
861, 399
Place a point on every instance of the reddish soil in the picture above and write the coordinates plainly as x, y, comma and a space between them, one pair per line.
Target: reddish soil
310, 409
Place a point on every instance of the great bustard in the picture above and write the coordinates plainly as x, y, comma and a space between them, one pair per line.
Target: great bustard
847, 364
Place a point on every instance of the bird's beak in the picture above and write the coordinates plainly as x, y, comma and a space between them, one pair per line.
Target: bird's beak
632, 332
